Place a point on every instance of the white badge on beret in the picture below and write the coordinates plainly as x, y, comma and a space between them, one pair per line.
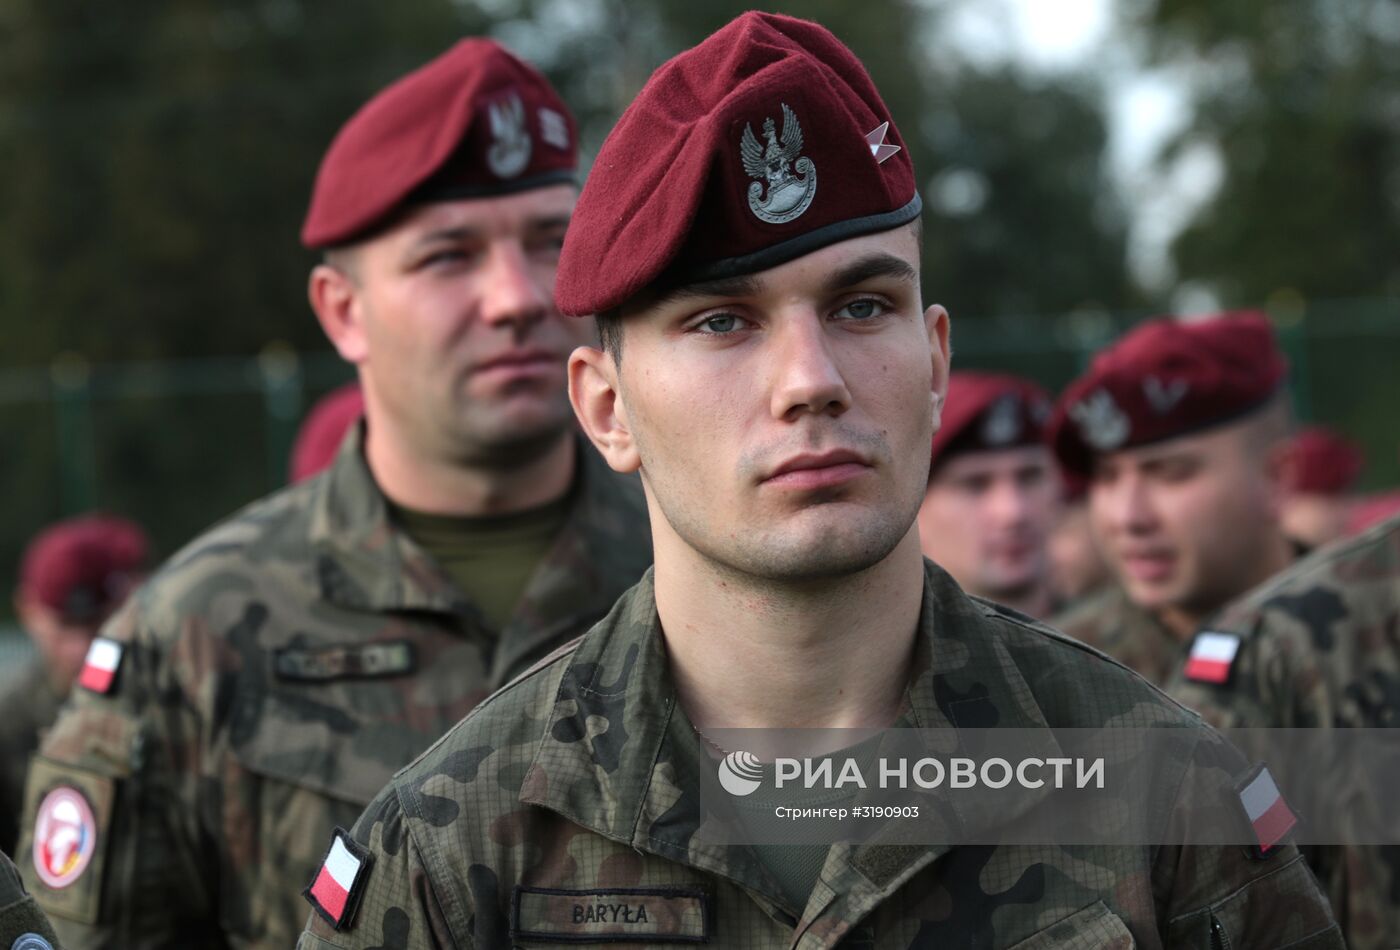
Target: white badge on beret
791, 178
1001, 425
509, 151
1101, 423
1162, 397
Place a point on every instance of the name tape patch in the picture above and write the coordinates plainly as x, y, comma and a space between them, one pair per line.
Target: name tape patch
345, 662
1212, 655
100, 665
335, 891
650, 914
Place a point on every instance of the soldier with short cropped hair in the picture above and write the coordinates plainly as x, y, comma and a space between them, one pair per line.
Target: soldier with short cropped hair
276, 672
770, 368
1178, 429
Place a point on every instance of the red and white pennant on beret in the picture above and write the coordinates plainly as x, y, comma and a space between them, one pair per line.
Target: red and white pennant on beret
336, 890
100, 666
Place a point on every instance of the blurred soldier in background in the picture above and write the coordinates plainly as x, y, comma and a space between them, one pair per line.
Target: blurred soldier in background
73, 576
1320, 470
1318, 647
993, 491
1178, 428
1077, 568
323, 430
274, 674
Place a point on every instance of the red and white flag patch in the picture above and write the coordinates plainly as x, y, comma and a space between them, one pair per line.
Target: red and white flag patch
339, 883
1268, 814
1212, 655
100, 666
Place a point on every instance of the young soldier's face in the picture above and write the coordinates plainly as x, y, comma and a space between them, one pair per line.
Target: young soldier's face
986, 518
1187, 522
781, 421
454, 328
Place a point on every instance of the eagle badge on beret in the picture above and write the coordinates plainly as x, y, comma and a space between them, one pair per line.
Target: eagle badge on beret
1101, 423
510, 142
791, 178
1163, 397
1002, 423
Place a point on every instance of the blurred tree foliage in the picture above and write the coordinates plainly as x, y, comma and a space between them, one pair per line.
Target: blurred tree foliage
1301, 100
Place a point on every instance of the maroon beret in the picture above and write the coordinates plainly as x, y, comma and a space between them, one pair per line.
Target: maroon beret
85, 566
324, 429
986, 411
1321, 462
764, 143
1166, 378
477, 121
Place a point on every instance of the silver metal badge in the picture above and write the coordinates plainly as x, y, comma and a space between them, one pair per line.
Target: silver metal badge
509, 152
554, 129
1161, 397
791, 180
1001, 424
1101, 423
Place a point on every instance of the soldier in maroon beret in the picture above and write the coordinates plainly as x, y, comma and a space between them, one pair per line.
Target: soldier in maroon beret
749, 232
324, 428
1319, 478
993, 491
74, 574
286, 663
1179, 429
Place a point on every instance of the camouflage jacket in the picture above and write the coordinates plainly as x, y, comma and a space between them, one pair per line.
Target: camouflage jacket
573, 788
22, 924
1107, 620
28, 705
1319, 648
273, 676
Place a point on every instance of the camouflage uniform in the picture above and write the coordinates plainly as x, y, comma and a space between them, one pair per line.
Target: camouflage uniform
275, 674
22, 923
1320, 649
1109, 621
28, 706
576, 784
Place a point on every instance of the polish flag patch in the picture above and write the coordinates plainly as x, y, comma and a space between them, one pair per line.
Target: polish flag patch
339, 883
1212, 655
1264, 806
100, 667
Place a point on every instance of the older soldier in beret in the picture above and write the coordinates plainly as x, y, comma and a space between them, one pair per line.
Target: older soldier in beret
275, 673
750, 232
1178, 429
73, 576
993, 491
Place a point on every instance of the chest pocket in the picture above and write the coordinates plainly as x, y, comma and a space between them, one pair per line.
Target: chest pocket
337, 720
1093, 928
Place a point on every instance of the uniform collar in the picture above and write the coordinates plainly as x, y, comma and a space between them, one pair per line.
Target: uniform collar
617, 750
364, 561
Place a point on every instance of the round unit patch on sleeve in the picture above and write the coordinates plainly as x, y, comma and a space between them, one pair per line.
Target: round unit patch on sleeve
65, 837
30, 942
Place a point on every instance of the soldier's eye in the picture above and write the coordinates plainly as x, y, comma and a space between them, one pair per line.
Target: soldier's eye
862, 309
719, 324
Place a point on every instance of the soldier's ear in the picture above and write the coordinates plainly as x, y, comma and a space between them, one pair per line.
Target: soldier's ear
936, 322
596, 395
334, 298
